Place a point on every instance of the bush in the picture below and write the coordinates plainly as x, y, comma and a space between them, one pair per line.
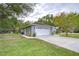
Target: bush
76, 31
34, 34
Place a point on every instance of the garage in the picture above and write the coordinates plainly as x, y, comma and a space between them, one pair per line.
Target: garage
40, 32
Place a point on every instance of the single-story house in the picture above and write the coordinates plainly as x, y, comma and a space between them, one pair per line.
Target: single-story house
38, 30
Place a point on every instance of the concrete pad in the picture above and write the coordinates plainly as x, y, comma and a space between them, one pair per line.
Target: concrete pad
66, 42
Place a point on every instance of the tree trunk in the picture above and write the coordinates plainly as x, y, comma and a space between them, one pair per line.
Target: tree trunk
66, 33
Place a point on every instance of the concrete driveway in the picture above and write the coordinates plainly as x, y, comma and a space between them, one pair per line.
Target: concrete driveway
66, 42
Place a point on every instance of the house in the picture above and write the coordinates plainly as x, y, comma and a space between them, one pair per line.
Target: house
38, 30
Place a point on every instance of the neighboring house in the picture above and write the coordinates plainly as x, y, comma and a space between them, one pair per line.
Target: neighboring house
38, 30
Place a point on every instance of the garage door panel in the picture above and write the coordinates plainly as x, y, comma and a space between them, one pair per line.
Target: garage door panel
42, 32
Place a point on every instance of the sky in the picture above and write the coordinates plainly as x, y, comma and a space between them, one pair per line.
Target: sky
43, 9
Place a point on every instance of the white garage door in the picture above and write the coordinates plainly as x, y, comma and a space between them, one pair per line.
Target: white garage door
40, 32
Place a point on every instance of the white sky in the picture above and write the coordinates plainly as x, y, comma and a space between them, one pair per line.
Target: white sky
43, 8
51, 8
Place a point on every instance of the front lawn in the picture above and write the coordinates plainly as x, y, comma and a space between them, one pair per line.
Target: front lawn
16, 45
73, 35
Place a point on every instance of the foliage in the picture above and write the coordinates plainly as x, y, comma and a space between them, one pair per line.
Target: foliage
67, 22
15, 9
9, 12
73, 35
48, 19
34, 34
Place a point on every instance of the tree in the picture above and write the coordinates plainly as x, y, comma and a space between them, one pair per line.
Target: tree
48, 19
76, 20
66, 22
9, 12
15, 9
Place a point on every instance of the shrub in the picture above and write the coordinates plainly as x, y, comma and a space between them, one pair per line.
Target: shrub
34, 34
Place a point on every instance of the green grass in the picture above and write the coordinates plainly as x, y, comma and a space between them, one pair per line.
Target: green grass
74, 35
16, 45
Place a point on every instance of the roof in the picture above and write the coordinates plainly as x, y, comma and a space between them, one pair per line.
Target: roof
36, 25
40, 24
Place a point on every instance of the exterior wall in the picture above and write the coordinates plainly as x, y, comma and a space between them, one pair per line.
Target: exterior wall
26, 31
53, 29
30, 31
50, 28
42, 27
